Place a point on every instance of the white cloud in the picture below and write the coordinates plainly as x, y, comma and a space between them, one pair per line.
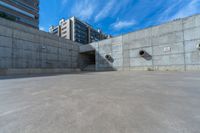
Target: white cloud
187, 9
123, 24
165, 15
84, 9
105, 11
190, 9
97, 10
111, 8
42, 28
119, 6
87, 12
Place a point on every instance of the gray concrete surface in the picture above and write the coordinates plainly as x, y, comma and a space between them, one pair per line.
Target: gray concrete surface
10, 72
172, 46
109, 102
25, 48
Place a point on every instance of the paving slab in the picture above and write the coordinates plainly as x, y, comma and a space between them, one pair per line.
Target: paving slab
104, 102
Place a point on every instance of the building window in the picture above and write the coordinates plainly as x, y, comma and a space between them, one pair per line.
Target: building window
64, 32
16, 9
64, 28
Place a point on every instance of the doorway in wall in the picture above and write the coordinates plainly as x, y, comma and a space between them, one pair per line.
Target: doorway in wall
87, 61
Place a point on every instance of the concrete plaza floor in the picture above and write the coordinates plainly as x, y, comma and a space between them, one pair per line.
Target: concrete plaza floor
106, 102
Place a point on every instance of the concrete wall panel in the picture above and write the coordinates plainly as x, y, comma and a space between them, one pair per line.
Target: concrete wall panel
105, 49
191, 22
27, 48
117, 55
168, 28
134, 53
140, 62
5, 42
170, 68
193, 58
174, 59
117, 63
4, 31
192, 67
191, 46
168, 38
192, 34
146, 42
5, 52
5, 63
171, 46
117, 48
168, 49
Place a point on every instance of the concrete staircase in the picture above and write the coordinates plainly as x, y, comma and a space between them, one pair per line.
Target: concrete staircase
89, 68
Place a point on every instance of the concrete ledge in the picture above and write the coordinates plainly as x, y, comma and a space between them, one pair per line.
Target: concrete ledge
6, 72
86, 48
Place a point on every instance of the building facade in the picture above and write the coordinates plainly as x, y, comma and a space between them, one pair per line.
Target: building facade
55, 30
25, 12
77, 30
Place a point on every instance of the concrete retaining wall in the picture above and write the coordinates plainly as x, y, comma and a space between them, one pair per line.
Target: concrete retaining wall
26, 48
171, 46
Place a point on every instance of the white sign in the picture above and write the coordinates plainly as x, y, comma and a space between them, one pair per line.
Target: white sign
167, 49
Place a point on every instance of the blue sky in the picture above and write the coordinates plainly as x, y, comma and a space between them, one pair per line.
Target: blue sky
116, 17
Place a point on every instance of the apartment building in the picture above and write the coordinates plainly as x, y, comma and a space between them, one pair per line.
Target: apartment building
77, 30
25, 12
55, 30
65, 29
